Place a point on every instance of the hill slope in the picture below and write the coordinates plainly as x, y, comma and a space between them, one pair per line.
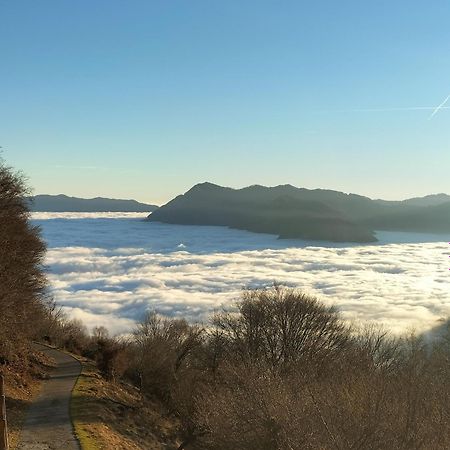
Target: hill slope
115, 415
64, 203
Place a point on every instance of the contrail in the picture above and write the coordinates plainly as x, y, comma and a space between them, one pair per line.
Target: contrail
441, 106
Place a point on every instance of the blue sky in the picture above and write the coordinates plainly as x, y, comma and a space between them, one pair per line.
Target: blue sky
142, 99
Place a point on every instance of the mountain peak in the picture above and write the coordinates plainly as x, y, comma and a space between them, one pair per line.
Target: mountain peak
206, 186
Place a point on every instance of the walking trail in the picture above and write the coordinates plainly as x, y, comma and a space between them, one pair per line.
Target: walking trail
48, 425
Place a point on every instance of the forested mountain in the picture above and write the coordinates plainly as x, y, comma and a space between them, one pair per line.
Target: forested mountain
292, 212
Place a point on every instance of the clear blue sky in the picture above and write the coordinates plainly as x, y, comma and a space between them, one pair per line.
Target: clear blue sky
142, 99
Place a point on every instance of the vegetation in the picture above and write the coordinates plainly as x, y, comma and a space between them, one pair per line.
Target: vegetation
112, 414
23, 299
283, 371
25, 308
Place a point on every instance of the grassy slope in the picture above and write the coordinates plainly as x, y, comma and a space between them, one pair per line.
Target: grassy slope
111, 415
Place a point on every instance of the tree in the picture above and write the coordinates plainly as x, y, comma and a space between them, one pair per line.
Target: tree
22, 281
162, 350
281, 328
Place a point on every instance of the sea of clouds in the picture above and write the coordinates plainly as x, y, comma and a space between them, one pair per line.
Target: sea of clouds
110, 269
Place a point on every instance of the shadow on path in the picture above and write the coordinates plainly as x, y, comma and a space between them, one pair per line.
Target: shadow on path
47, 424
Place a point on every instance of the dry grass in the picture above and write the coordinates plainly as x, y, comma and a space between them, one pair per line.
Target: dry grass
112, 415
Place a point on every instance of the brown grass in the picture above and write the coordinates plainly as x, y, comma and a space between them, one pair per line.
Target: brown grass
112, 415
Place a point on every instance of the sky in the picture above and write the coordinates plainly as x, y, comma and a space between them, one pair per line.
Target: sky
143, 99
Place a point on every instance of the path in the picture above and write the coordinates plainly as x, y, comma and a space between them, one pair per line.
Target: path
48, 425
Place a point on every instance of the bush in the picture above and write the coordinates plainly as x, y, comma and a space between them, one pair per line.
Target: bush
294, 376
162, 352
110, 354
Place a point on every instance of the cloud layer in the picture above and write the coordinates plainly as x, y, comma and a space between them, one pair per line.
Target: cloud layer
110, 271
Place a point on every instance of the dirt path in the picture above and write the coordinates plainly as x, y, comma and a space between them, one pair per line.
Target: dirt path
48, 425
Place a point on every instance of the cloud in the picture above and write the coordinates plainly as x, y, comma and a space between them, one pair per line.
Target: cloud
126, 267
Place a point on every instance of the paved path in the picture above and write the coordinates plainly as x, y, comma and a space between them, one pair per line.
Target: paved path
48, 425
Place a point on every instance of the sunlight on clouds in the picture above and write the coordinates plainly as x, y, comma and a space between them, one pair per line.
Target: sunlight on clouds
110, 269
399, 285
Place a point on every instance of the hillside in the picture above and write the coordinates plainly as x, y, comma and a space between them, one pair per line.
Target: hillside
291, 212
114, 414
64, 203
283, 210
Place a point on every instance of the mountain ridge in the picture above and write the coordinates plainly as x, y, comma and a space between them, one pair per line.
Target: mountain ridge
291, 212
65, 203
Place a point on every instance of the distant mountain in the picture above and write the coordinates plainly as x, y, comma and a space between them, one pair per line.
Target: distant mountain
429, 219
428, 200
292, 212
63, 203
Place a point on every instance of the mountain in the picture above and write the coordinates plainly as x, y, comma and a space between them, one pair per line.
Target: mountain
429, 219
63, 203
292, 212
283, 210
428, 200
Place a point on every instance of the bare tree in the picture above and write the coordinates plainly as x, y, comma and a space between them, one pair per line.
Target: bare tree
283, 327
